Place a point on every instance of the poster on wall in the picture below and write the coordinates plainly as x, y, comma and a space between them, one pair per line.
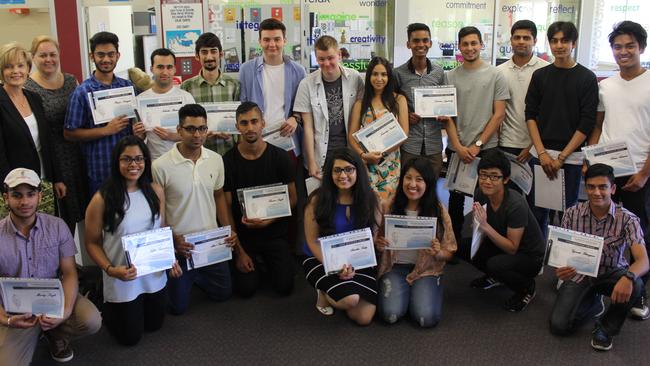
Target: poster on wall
182, 24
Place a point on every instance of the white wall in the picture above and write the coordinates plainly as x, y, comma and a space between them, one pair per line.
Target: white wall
23, 28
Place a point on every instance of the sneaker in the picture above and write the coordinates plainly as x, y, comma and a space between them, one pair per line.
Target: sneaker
485, 283
600, 340
518, 302
640, 310
60, 349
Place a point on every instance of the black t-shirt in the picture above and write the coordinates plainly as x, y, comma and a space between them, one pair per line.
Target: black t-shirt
514, 212
334, 95
273, 166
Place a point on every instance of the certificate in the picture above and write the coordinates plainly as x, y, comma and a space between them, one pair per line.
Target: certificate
110, 103
549, 193
409, 232
221, 117
266, 202
150, 251
160, 112
381, 135
461, 177
520, 173
353, 247
271, 134
33, 296
209, 247
435, 101
568, 248
615, 154
312, 184
477, 235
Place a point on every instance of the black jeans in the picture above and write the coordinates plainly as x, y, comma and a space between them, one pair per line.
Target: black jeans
517, 271
278, 262
570, 303
126, 321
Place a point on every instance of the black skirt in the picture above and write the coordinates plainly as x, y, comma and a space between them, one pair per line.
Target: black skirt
364, 282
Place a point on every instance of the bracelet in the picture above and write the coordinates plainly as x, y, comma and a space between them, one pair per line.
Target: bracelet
542, 152
561, 158
8, 322
107, 268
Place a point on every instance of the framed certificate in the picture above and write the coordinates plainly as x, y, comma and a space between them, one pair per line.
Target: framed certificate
33, 295
271, 134
568, 248
160, 112
150, 251
615, 154
409, 232
266, 202
355, 248
435, 101
461, 177
209, 247
382, 134
221, 117
110, 103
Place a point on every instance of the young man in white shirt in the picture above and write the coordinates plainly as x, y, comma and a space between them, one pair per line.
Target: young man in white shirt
163, 66
623, 115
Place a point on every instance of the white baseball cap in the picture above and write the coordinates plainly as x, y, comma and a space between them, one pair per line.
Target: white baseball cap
20, 176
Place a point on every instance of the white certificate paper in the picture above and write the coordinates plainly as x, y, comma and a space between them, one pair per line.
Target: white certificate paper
520, 173
355, 248
382, 134
110, 103
477, 235
568, 248
160, 112
221, 117
615, 154
435, 101
312, 184
150, 251
409, 232
209, 247
549, 193
266, 202
462, 177
33, 295
271, 134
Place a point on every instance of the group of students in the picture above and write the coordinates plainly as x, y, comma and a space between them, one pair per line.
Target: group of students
139, 179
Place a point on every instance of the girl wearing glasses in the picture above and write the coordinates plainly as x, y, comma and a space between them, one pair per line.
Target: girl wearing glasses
379, 97
410, 280
344, 202
127, 203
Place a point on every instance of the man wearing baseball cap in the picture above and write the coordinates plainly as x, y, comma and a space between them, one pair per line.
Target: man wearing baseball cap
38, 245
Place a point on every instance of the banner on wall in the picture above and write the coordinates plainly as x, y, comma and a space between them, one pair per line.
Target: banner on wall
182, 24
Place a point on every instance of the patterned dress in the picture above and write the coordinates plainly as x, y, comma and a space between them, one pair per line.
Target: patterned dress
68, 154
384, 177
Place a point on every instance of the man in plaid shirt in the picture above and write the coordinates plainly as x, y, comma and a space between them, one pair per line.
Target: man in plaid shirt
579, 296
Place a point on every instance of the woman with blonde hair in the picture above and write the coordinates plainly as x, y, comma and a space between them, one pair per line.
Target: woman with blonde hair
54, 87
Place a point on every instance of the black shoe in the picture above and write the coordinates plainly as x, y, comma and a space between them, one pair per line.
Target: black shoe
485, 283
640, 310
600, 340
60, 349
518, 302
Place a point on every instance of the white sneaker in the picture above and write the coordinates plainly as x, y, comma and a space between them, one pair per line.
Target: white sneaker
640, 310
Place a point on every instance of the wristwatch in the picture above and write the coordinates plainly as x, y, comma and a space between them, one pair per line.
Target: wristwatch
630, 276
478, 143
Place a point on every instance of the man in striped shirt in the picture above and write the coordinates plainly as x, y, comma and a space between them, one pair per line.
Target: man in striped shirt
579, 296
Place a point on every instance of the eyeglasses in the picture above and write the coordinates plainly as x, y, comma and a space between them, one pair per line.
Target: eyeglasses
492, 178
348, 170
127, 160
193, 129
104, 54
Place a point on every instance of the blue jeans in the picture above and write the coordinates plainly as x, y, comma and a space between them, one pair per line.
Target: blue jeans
572, 177
423, 299
214, 280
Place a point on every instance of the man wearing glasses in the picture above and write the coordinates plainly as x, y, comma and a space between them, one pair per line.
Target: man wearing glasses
98, 140
192, 177
511, 251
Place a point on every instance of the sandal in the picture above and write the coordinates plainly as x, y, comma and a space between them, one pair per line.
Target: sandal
325, 310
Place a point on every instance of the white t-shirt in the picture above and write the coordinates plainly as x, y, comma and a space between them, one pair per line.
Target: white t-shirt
189, 189
627, 113
273, 83
156, 145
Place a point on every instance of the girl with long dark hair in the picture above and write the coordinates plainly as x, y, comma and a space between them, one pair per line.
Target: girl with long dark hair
127, 203
380, 96
344, 202
410, 280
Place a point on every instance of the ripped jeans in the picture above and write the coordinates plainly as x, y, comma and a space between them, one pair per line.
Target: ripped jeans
423, 299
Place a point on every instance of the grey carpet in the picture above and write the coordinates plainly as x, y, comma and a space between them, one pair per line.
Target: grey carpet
267, 330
